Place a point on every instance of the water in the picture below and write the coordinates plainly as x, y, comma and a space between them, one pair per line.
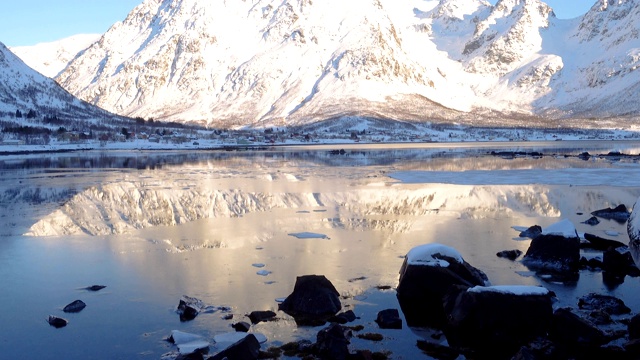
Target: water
155, 226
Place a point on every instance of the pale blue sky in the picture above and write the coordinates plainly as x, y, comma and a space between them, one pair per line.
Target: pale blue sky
28, 22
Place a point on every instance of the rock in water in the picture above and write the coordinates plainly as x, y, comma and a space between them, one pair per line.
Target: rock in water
333, 342
633, 229
246, 349
496, 321
95, 287
57, 322
189, 308
557, 249
314, 299
619, 213
75, 307
609, 304
427, 274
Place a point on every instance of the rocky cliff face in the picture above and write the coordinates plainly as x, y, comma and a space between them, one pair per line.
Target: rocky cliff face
273, 62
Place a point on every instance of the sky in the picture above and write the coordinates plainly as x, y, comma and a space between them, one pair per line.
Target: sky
29, 22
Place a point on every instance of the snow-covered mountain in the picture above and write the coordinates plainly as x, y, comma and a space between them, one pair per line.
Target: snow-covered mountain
51, 58
280, 62
24, 89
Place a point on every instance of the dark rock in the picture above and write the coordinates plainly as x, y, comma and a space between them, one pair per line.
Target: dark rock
95, 287
633, 348
599, 317
370, 336
598, 243
553, 252
584, 156
424, 282
496, 321
314, 299
75, 307
509, 254
609, 304
532, 232
634, 327
593, 221
241, 326
593, 263
620, 213
619, 262
188, 308
227, 317
259, 316
57, 322
333, 342
246, 349
570, 329
344, 317
389, 319
437, 351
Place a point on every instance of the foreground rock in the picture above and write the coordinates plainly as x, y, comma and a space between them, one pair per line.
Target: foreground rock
333, 342
496, 321
427, 274
633, 229
556, 249
246, 349
609, 304
598, 243
389, 319
314, 300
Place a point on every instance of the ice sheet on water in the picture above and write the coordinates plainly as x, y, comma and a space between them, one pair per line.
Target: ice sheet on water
309, 235
188, 343
263, 272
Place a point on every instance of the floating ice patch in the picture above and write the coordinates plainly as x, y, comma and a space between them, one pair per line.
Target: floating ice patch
258, 265
611, 233
309, 235
425, 255
188, 343
263, 272
563, 228
511, 289
280, 300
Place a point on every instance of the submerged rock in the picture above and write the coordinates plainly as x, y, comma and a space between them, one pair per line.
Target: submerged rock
75, 307
593, 221
496, 321
314, 299
427, 274
57, 322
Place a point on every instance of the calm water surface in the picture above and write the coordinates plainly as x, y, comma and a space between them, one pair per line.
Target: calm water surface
156, 226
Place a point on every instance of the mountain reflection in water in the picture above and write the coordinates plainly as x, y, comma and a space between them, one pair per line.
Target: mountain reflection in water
155, 226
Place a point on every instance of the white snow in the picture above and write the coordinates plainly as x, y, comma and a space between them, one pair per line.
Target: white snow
425, 255
188, 343
564, 228
519, 290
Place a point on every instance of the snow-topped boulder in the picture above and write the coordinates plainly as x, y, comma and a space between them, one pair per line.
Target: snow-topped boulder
495, 321
558, 248
427, 274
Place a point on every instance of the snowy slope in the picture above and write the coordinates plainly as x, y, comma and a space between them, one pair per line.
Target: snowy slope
52, 57
268, 62
24, 89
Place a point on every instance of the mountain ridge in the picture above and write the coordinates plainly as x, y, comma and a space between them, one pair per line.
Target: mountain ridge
267, 62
